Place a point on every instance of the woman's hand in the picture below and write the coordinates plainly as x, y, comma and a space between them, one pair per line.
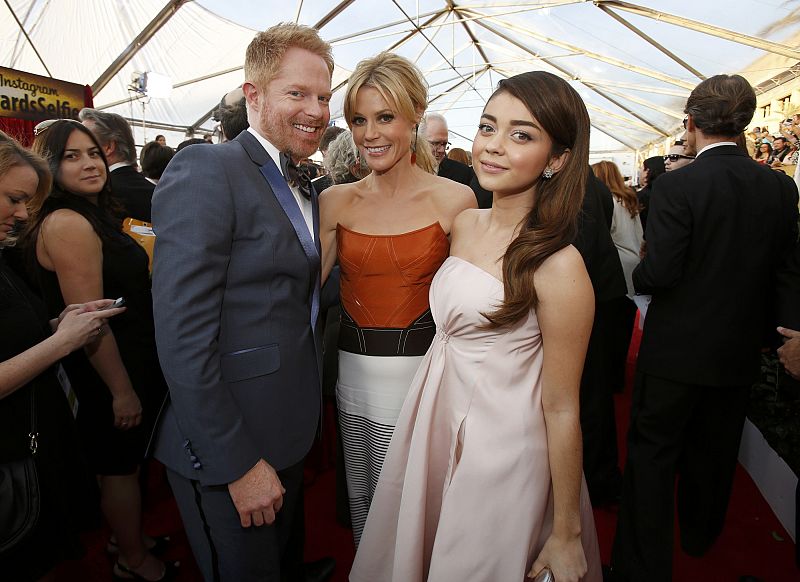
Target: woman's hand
564, 557
80, 324
127, 410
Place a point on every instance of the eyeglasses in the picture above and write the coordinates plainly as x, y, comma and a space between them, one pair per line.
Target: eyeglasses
440, 145
676, 157
685, 122
45, 125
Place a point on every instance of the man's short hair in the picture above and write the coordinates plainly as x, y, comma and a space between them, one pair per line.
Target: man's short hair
722, 105
329, 135
189, 142
232, 114
423, 126
154, 158
110, 127
266, 50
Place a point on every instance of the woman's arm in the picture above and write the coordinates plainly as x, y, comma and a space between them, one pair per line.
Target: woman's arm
329, 203
68, 245
76, 326
565, 314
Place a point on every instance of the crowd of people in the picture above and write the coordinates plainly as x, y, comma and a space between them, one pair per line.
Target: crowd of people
779, 152
471, 311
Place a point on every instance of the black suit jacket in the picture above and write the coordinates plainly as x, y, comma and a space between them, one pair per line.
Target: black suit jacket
134, 191
484, 197
455, 171
719, 230
594, 243
788, 298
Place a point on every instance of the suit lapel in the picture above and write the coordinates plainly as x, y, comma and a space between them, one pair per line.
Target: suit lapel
290, 207
283, 194
289, 204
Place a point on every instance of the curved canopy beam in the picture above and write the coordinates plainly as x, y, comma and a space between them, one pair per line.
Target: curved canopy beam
652, 41
569, 74
28, 38
592, 55
170, 8
724, 33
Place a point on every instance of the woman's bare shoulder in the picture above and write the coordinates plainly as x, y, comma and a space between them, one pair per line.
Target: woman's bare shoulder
452, 195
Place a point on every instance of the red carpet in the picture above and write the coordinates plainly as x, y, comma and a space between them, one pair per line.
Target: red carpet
753, 541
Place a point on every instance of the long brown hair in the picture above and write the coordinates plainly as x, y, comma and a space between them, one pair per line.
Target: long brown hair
51, 144
551, 224
608, 173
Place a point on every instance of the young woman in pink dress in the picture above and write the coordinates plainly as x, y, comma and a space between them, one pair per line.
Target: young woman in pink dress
483, 479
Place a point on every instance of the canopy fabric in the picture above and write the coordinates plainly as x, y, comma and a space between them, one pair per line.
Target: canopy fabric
633, 63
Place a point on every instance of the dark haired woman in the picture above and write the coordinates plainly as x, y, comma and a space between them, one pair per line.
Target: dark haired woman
79, 253
30, 392
154, 158
764, 151
483, 478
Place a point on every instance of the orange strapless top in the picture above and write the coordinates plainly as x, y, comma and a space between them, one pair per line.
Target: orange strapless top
385, 279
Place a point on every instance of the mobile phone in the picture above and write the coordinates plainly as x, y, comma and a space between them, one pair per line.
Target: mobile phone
118, 303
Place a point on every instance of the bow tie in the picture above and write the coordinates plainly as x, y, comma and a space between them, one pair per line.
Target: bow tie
297, 177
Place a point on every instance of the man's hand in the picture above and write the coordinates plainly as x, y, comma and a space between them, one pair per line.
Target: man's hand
789, 352
257, 495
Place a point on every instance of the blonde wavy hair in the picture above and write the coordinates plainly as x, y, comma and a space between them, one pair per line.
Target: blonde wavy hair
403, 87
12, 154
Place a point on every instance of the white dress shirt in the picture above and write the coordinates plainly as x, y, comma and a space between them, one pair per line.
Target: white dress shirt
302, 202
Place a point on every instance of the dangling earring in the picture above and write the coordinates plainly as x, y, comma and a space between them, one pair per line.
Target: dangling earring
414, 147
548, 173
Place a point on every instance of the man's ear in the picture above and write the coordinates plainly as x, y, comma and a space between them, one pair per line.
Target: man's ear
109, 148
251, 95
690, 125
557, 162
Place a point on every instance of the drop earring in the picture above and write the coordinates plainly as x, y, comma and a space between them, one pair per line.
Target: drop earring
414, 146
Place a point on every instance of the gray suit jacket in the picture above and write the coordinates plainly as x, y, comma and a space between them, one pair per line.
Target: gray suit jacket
234, 277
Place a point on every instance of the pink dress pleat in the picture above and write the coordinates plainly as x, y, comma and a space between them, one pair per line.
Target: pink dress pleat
465, 491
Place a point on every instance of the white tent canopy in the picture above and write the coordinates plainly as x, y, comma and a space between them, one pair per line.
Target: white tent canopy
634, 64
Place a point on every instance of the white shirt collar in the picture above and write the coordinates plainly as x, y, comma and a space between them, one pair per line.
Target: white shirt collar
273, 152
715, 145
113, 167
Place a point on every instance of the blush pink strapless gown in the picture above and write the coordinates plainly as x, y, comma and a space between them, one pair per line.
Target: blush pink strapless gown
465, 491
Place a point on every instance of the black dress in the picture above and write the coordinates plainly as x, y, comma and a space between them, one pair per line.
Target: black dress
111, 451
66, 486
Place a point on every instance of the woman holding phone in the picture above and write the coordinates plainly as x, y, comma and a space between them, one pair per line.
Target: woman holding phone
30, 394
78, 253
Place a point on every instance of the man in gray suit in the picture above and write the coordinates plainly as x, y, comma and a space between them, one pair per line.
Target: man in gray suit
236, 299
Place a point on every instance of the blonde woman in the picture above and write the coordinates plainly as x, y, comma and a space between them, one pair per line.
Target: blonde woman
390, 233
